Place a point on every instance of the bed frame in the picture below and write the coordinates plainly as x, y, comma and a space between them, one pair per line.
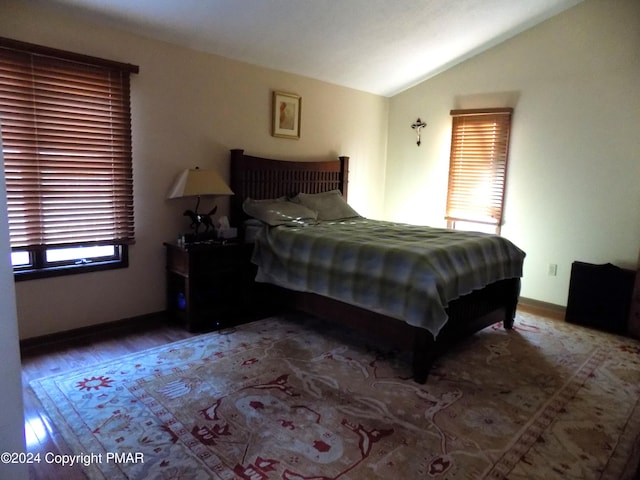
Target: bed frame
261, 178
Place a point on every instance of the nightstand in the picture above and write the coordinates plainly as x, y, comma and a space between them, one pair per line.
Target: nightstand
209, 285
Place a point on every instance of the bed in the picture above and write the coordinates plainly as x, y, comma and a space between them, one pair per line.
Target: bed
429, 333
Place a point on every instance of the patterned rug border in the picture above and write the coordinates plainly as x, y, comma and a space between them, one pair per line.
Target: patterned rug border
630, 442
201, 451
545, 416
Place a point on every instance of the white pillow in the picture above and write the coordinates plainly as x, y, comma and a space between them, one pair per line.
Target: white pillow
278, 211
330, 205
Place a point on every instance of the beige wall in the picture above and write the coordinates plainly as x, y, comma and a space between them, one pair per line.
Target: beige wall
188, 109
573, 191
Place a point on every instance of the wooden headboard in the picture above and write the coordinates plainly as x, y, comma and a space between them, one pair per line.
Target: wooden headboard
261, 178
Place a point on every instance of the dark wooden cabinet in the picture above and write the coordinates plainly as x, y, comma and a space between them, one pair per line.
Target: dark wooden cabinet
600, 296
209, 286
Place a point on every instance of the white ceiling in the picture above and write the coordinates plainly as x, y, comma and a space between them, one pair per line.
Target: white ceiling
378, 46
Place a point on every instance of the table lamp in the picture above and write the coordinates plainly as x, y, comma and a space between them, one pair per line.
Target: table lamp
197, 182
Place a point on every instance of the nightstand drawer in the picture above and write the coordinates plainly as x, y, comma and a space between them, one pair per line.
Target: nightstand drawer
217, 259
177, 260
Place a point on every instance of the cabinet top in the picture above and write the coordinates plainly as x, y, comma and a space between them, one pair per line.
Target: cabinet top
206, 245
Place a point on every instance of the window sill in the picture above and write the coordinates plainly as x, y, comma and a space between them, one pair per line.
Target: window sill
49, 272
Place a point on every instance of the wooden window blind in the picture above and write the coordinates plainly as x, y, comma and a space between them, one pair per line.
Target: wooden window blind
66, 131
478, 165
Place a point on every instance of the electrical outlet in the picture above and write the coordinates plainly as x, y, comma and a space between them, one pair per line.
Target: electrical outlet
552, 269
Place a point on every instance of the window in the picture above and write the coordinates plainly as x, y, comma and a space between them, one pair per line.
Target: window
478, 168
66, 132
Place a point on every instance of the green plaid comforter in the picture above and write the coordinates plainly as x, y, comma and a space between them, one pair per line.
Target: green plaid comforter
403, 271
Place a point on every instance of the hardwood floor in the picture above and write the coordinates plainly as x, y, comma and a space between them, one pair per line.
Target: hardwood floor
58, 356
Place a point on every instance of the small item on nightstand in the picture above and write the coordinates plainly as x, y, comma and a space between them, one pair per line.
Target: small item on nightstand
227, 233
181, 301
224, 230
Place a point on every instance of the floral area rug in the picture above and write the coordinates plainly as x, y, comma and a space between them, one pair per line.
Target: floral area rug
292, 398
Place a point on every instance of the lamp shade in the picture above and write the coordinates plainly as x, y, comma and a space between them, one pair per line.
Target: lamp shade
195, 182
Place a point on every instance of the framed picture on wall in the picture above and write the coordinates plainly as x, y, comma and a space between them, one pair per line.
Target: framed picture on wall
286, 115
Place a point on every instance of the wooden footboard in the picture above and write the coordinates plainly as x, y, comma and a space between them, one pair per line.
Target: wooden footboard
468, 314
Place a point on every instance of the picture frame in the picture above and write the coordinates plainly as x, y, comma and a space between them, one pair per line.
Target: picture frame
286, 115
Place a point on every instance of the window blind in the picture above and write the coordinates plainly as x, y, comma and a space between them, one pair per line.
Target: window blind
478, 165
66, 129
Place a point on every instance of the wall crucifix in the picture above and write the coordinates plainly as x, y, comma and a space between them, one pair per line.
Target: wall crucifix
417, 125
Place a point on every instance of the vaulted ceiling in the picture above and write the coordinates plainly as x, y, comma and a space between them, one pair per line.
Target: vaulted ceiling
378, 46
